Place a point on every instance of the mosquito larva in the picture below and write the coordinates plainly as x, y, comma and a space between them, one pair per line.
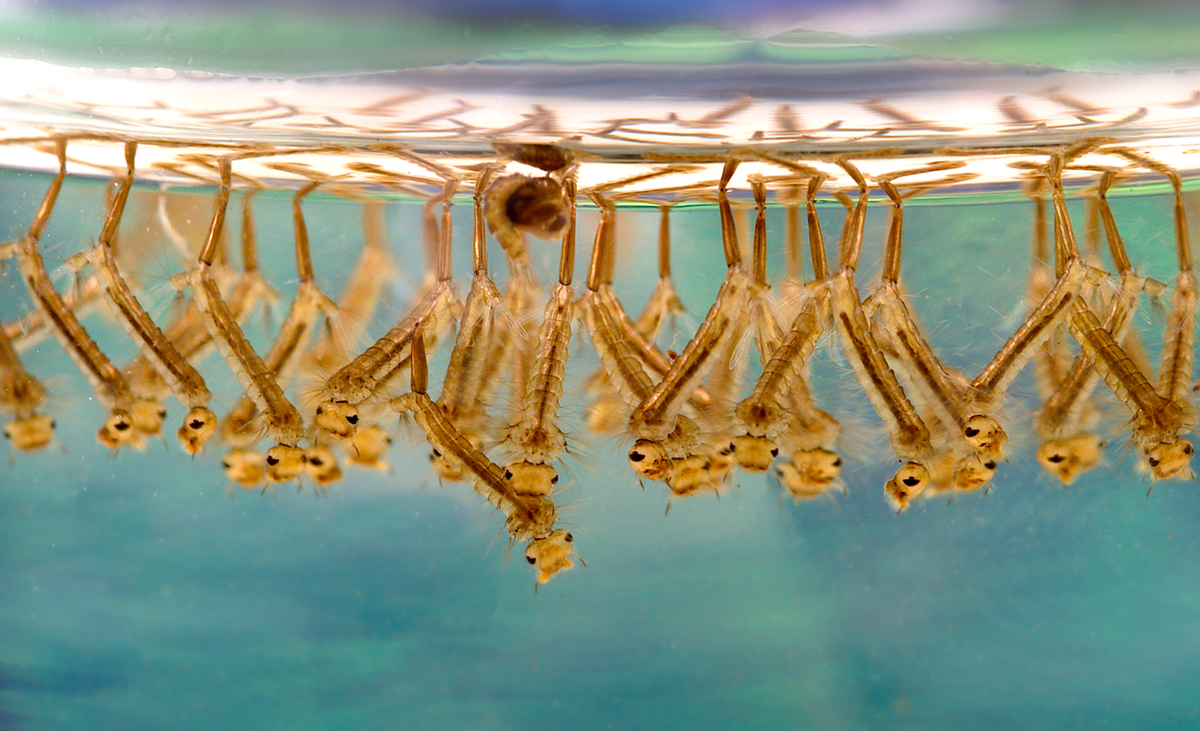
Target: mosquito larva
990, 386
604, 414
184, 381
664, 301
282, 421
238, 428
528, 518
1179, 341
20, 395
655, 418
1051, 360
1067, 449
468, 371
188, 334
809, 433
1157, 420
623, 368
909, 435
602, 313
110, 386
763, 414
536, 440
949, 396
359, 297
364, 376
725, 381
516, 332
780, 399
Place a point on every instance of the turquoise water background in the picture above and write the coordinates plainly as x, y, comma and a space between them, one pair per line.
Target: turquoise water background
135, 593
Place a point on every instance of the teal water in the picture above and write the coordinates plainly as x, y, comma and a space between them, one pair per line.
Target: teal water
137, 594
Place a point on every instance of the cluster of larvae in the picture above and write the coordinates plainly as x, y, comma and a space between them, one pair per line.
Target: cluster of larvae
692, 416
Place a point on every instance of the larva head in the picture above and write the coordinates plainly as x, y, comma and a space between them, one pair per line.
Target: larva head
754, 454
690, 475
531, 479
245, 468
31, 433
719, 464
337, 419
1067, 459
198, 427
818, 469
649, 459
321, 464
986, 437
117, 430
973, 472
538, 206
551, 554
148, 417
285, 463
909, 482
368, 447
809, 473
1171, 459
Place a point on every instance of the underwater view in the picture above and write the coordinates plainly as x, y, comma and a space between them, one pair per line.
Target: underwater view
591, 368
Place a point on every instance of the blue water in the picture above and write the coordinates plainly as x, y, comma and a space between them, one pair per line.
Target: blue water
135, 593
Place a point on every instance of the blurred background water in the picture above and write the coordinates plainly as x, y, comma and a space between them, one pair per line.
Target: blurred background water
135, 593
